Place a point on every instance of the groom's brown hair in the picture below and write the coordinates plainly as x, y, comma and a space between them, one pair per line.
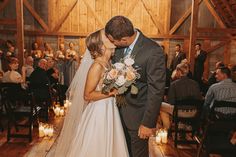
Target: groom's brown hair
119, 27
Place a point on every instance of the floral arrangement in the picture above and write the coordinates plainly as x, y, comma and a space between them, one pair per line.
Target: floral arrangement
121, 76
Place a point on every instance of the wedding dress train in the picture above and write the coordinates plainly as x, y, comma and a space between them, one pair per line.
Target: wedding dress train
100, 133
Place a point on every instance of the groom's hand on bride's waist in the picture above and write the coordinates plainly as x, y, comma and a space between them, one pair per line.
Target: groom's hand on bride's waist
145, 132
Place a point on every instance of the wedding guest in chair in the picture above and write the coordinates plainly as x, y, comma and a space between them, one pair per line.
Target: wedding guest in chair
180, 89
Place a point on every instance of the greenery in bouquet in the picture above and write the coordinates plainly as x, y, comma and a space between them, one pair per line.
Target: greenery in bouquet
121, 76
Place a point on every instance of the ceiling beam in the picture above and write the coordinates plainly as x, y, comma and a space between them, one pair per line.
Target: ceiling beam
214, 13
4, 4
76, 34
228, 7
217, 30
218, 7
182, 19
7, 21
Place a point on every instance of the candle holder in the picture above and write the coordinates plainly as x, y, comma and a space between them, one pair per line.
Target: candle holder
45, 130
67, 103
62, 111
56, 110
41, 129
161, 136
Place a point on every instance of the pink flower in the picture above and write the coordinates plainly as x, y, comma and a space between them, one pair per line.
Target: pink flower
130, 75
112, 74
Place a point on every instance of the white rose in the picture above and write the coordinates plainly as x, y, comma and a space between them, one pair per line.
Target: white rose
119, 66
129, 61
120, 80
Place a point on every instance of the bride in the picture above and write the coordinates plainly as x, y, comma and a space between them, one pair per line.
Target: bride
92, 126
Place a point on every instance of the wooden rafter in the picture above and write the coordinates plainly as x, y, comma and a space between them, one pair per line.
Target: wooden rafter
20, 31
36, 15
217, 30
217, 46
64, 17
4, 4
222, 12
152, 15
231, 12
131, 7
215, 15
182, 19
7, 21
154, 36
193, 32
99, 19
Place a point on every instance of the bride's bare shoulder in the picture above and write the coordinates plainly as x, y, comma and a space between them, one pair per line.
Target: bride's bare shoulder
96, 68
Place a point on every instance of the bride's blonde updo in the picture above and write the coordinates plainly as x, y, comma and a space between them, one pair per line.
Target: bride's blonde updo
94, 44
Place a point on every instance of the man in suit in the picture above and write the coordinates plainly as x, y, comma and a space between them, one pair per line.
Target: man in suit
200, 58
139, 115
179, 56
39, 81
180, 89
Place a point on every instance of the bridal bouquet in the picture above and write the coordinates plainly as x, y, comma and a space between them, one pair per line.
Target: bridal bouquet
121, 76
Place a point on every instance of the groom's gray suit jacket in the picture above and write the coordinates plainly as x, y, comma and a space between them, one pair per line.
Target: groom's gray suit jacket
144, 107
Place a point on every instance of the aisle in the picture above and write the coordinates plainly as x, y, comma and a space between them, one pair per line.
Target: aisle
22, 148
40, 146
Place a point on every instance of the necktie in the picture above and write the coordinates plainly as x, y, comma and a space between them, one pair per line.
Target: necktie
127, 51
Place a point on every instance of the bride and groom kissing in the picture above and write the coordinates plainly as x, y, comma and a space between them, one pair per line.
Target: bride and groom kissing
94, 125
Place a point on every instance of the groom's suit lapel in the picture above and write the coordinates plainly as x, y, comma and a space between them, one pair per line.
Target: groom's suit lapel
138, 45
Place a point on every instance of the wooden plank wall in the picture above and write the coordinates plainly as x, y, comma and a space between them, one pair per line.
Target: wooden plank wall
152, 17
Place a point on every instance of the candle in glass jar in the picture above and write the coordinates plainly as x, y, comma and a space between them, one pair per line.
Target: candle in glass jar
164, 137
41, 130
66, 104
45, 131
57, 111
50, 131
62, 112
158, 139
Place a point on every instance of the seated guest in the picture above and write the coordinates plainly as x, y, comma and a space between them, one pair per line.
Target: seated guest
39, 81
12, 76
53, 75
212, 79
190, 74
52, 71
233, 73
224, 90
28, 68
182, 88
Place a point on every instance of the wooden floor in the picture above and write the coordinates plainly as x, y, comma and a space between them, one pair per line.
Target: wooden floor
40, 146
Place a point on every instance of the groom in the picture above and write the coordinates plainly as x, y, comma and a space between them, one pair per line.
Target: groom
139, 116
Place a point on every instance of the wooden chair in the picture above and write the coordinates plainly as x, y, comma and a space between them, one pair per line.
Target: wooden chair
18, 108
188, 113
1, 115
43, 98
217, 131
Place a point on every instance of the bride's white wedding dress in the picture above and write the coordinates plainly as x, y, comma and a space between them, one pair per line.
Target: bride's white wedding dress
100, 133
91, 129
